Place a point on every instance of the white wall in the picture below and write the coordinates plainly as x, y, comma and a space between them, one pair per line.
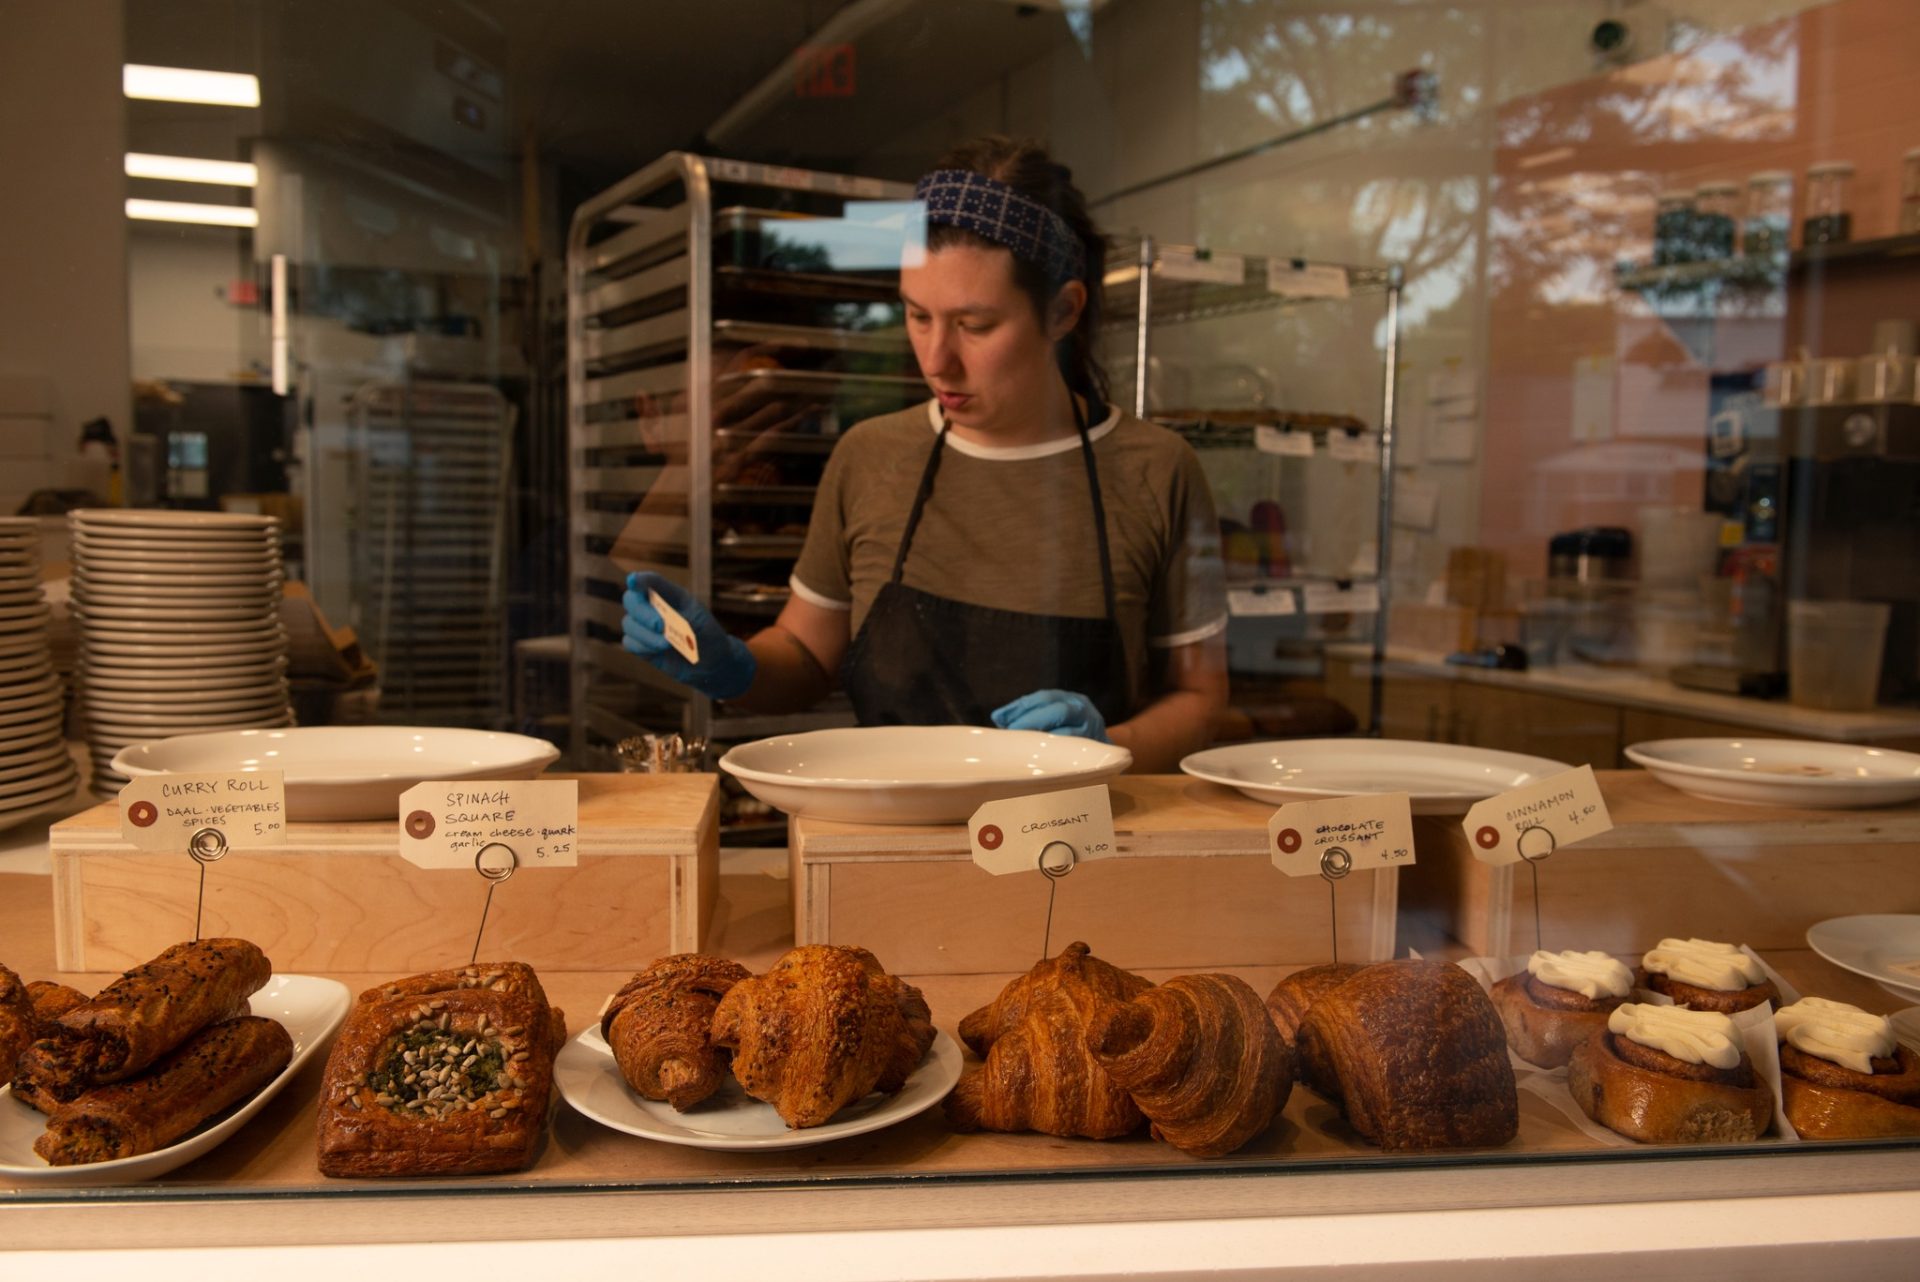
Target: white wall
183, 327
63, 240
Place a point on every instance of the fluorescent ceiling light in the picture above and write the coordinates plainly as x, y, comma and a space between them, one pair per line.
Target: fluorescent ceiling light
189, 169
180, 211
182, 84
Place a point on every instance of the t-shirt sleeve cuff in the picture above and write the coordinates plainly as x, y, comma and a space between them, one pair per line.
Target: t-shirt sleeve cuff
1213, 627
825, 602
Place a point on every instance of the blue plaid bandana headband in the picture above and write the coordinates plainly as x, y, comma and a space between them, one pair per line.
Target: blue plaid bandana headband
988, 207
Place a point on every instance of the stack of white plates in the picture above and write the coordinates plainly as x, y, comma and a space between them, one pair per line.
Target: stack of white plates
178, 617
35, 770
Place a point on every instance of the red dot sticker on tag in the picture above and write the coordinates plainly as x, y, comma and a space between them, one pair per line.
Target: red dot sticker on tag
1288, 840
141, 814
420, 825
991, 837
1488, 838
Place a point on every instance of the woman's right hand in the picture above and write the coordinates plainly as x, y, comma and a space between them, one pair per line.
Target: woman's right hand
726, 668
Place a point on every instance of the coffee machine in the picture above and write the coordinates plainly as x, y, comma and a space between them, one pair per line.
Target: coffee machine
1851, 519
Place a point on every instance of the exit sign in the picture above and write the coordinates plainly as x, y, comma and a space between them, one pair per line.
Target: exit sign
823, 71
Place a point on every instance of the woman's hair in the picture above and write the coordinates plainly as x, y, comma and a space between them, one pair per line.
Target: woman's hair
1025, 166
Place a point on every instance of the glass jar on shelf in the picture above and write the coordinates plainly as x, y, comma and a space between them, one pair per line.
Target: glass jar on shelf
1673, 228
1769, 224
1716, 207
1910, 193
1829, 215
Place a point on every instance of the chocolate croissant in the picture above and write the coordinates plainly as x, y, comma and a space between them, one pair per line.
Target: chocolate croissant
214, 1069
445, 1080
1039, 1073
1200, 1057
140, 1017
823, 1028
1291, 998
1418, 1056
660, 1025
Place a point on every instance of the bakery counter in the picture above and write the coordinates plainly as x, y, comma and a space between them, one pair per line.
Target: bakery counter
1580, 712
261, 1188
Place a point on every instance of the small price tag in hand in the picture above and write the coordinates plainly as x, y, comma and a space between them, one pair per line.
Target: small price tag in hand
1531, 822
1050, 833
1333, 839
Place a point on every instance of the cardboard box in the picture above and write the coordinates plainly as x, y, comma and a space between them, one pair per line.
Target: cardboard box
338, 897
1192, 887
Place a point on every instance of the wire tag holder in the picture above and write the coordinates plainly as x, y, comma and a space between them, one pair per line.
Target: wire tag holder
1053, 872
1335, 864
207, 846
1533, 859
493, 875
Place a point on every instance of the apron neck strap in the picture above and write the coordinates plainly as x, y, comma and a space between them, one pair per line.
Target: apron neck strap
932, 469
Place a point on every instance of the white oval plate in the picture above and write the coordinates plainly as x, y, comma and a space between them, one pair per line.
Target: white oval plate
1782, 772
914, 774
108, 703
346, 772
184, 656
590, 1081
173, 521
1439, 778
140, 682
96, 551
1869, 944
44, 763
308, 1007
24, 795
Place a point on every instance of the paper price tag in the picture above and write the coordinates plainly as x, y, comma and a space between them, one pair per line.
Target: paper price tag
1292, 278
1255, 603
1284, 442
162, 812
1331, 598
1532, 822
1009, 835
1353, 447
679, 634
447, 825
1308, 838
1197, 265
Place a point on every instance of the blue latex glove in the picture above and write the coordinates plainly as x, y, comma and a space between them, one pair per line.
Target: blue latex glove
1055, 711
726, 666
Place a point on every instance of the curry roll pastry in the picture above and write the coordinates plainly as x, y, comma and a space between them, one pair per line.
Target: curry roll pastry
140, 1017
1552, 1007
1200, 1057
660, 1028
449, 1073
1670, 1075
213, 1070
826, 1026
1039, 1073
1843, 1075
1418, 1057
1703, 974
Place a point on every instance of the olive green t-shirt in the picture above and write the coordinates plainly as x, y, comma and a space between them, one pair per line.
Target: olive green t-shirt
1012, 528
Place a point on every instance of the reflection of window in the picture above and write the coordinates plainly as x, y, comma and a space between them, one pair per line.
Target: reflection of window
187, 465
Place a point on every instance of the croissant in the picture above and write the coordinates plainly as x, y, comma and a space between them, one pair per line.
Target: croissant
1039, 1074
1200, 1057
821, 1029
1418, 1056
660, 1027
1649, 1096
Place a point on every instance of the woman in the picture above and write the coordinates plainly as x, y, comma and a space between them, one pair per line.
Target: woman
1015, 552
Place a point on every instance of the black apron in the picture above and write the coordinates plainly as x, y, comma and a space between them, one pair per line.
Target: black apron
926, 660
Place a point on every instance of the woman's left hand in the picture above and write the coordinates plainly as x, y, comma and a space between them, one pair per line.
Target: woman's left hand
1055, 711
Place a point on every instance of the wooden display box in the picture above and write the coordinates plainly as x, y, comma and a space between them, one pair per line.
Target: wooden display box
1673, 865
1191, 888
338, 898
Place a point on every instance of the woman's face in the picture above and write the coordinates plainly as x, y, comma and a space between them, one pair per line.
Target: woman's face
982, 349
